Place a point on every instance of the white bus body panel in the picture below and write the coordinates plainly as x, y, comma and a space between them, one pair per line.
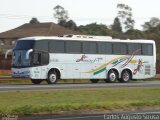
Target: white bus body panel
83, 66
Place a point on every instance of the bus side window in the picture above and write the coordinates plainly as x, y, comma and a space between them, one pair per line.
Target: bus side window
104, 48
57, 47
37, 59
134, 48
41, 45
147, 49
89, 47
120, 48
44, 58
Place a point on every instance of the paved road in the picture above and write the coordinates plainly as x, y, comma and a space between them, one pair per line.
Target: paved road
154, 115
27, 87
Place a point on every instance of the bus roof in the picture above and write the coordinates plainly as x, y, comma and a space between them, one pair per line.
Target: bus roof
87, 38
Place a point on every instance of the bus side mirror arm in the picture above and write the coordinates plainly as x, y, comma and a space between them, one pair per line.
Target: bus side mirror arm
8, 51
28, 52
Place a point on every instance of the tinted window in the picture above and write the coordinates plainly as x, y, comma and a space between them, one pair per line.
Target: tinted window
104, 48
24, 44
120, 48
40, 58
147, 49
73, 47
41, 45
89, 47
45, 58
134, 48
56, 46
37, 58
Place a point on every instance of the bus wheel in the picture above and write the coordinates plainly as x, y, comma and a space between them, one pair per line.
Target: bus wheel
52, 77
36, 81
112, 76
125, 76
94, 80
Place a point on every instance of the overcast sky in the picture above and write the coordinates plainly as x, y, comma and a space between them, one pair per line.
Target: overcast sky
14, 13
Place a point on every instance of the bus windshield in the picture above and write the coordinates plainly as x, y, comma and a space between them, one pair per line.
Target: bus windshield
19, 53
24, 44
19, 59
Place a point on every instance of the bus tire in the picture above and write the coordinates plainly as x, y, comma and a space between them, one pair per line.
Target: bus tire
36, 81
125, 76
112, 76
52, 77
94, 80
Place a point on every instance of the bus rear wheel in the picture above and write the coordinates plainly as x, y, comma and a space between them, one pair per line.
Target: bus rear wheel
36, 81
52, 77
94, 80
125, 76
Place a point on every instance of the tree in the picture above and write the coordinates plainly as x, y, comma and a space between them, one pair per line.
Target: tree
117, 25
93, 29
135, 34
60, 14
62, 17
34, 21
153, 25
71, 24
125, 16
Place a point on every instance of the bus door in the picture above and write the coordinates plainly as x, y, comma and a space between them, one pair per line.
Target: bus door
40, 62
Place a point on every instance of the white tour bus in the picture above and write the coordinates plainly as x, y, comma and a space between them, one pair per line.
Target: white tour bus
83, 57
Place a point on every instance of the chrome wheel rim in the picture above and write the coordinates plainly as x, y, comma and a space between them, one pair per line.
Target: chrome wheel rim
52, 78
112, 77
125, 76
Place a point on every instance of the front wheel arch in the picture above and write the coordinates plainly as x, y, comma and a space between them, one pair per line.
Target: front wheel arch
115, 74
55, 70
53, 76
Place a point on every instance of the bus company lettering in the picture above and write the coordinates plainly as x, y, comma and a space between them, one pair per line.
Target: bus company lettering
85, 59
54, 60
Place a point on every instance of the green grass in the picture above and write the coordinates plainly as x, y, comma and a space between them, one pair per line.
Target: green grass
55, 101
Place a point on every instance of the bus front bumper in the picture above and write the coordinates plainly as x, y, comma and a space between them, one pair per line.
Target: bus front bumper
20, 73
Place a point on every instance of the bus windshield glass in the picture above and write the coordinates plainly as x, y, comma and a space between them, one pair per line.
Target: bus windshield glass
24, 44
19, 59
19, 53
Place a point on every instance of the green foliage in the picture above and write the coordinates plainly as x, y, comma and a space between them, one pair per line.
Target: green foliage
60, 13
117, 25
62, 17
152, 24
125, 16
69, 24
135, 34
34, 21
93, 29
